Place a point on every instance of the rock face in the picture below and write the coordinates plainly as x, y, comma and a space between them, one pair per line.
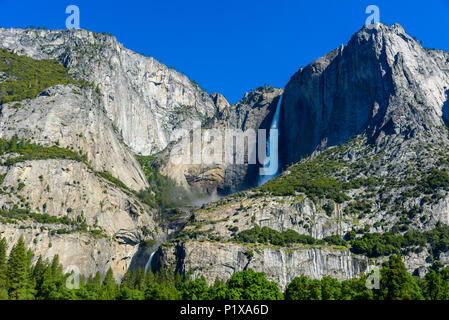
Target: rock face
383, 96
220, 101
101, 223
213, 260
221, 260
383, 100
145, 99
300, 214
382, 83
74, 120
65, 188
88, 254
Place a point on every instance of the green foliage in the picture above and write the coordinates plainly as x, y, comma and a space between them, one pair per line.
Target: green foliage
3, 269
31, 151
194, 289
27, 77
435, 179
397, 283
78, 225
335, 240
250, 285
302, 288
369, 244
164, 193
17, 272
384, 244
436, 285
19, 279
312, 177
106, 175
109, 289
377, 244
270, 236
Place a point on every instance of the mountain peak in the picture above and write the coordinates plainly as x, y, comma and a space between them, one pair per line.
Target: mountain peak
383, 84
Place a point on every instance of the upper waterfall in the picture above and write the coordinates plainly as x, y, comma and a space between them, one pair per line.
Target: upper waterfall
272, 145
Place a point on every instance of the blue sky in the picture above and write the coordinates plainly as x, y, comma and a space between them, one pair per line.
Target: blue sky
234, 46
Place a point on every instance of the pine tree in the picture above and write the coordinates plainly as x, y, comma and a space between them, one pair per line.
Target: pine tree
218, 291
3, 269
396, 283
56, 268
109, 288
330, 288
432, 285
17, 270
141, 281
96, 281
38, 272
127, 280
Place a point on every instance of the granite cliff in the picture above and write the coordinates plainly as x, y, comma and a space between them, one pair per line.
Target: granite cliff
363, 144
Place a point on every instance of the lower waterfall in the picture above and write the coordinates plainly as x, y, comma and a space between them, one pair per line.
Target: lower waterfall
148, 265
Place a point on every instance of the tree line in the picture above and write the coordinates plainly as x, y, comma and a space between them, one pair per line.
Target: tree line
20, 279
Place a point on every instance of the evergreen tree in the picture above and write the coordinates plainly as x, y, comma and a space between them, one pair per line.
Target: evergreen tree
355, 289
140, 279
3, 270
38, 272
432, 286
330, 288
194, 289
396, 283
96, 281
250, 285
130, 294
109, 288
218, 291
444, 291
128, 280
17, 271
302, 288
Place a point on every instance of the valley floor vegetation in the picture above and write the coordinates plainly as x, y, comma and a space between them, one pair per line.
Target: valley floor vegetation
20, 279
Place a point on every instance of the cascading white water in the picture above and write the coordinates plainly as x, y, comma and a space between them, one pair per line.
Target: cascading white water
274, 125
148, 265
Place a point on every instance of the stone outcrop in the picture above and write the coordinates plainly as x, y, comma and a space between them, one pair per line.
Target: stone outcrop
145, 99
72, 118
221, 260
213, 260
220, 101
383, 83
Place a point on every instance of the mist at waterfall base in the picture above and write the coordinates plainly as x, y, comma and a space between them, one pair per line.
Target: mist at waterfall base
274, 125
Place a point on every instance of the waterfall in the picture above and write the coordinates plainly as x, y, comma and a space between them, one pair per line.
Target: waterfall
274, 125
148, 265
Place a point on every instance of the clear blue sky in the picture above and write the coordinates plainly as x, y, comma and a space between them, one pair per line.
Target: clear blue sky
234, 46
